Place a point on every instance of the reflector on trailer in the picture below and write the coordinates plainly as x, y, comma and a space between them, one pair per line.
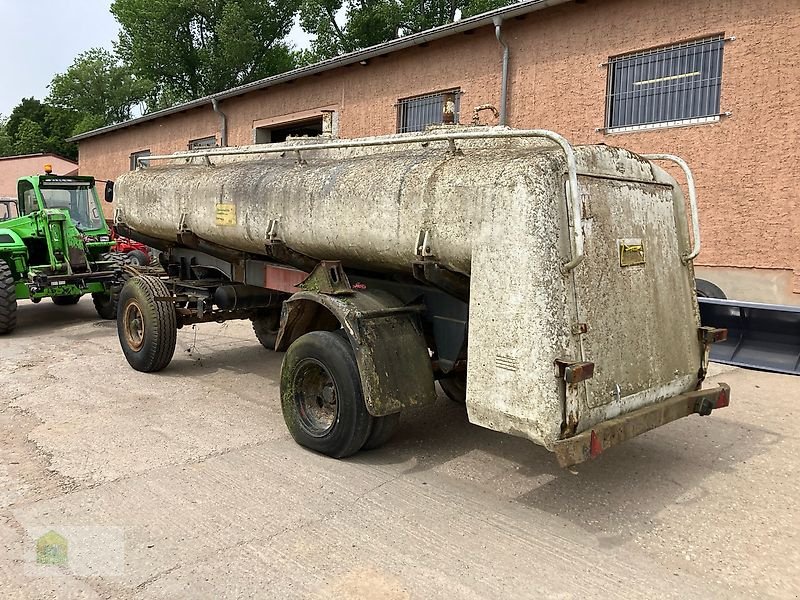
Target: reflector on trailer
595, 447
723, 399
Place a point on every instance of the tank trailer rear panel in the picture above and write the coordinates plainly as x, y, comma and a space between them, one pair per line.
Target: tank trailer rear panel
498, 212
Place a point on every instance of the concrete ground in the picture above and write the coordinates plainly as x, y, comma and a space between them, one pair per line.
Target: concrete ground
186, 484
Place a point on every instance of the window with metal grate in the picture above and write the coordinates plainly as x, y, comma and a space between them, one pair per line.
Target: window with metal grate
672, 85
417, 112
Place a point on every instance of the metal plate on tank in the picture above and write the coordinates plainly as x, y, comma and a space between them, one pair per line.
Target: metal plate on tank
631, 252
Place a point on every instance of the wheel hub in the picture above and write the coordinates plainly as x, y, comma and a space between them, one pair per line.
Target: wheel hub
133, 325
316, 397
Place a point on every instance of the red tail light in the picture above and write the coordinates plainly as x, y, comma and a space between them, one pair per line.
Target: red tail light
723, 399
595, 447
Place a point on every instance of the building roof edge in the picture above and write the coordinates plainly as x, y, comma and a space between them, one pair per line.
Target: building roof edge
475, 22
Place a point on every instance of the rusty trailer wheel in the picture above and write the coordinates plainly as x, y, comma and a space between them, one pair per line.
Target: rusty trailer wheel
315, 395
147, 328
133, 326
321, 397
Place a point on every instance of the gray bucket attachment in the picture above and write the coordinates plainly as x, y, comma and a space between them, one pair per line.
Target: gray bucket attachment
760, 336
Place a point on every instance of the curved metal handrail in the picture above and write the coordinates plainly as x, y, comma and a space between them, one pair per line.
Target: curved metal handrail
692, 199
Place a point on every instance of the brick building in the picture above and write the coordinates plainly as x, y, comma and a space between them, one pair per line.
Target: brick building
714, 81
14, 167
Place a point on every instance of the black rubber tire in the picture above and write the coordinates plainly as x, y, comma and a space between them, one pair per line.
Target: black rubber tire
153, 348
8, 300
455, 387
352, 424
65, 300
106, 303
266, 326
383, 428
706, 289
137, 258
116, 257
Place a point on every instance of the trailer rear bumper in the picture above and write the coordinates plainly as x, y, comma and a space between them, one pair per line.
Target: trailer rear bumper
589, 444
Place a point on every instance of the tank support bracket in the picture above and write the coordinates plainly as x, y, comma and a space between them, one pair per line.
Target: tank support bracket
329, 278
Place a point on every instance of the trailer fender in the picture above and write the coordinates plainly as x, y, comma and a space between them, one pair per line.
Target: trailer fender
393, 359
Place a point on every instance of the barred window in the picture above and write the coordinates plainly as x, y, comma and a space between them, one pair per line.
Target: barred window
673, 85
203, 143
416, 113
137, 155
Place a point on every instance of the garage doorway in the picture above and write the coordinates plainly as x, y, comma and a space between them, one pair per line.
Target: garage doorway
280, 131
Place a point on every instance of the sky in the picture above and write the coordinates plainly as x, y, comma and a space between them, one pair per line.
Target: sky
42, 37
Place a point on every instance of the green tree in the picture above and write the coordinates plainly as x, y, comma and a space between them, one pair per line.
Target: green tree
29, 138
37, 127
192, 48
99, 88
28, 108
6, 143
60, 124
370, 22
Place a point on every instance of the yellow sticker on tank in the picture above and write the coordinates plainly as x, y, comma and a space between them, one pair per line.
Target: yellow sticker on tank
226, 214
631, 252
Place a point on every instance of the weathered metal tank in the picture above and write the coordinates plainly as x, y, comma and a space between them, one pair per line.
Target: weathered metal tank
580, 252
364, 205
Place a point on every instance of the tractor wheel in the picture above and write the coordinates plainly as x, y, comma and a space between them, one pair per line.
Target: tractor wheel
8, 300
455, 387
65, 300
137, 258
321, 397
266, 327
147, 328
105, 303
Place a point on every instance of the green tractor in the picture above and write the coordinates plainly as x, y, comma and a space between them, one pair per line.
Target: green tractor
56, 245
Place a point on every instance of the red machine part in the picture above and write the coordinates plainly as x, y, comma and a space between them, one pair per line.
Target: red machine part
126, 245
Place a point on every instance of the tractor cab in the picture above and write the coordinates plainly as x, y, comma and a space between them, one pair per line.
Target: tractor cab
75, 195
